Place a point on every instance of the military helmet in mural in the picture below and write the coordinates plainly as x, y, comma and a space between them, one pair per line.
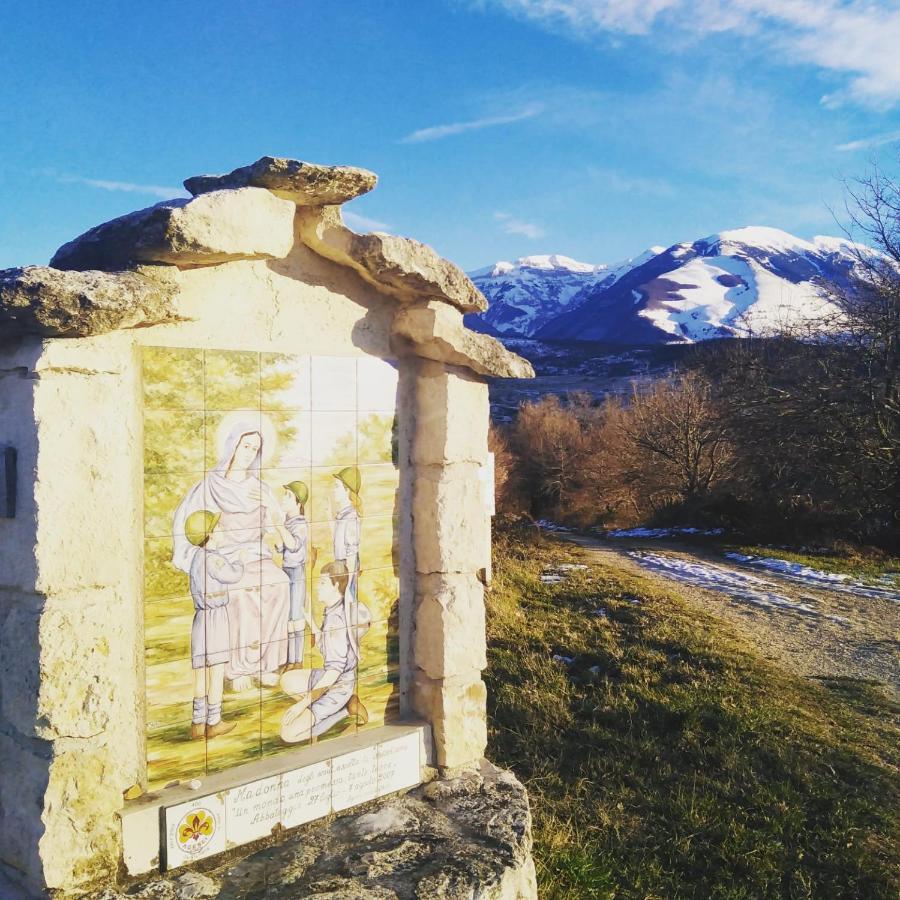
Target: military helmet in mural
299, 490
199, 526
351, 478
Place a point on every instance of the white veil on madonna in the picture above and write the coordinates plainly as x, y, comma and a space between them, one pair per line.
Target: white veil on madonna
220, 494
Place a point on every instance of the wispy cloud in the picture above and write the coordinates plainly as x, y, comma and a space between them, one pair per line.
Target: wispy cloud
164, 192
509, 224
438, 132
850, 37
878, 140
624, 183
355, 220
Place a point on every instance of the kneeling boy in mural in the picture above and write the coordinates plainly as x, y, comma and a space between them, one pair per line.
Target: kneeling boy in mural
327, 695
295, 556
210, 572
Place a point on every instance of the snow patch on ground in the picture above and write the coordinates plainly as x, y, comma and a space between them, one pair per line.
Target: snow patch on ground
660, 532
736, 585
547, 525
556, 574
814, 577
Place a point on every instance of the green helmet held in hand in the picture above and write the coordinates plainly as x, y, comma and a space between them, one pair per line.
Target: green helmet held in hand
199, 526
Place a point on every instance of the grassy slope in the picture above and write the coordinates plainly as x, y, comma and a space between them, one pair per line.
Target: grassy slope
683, 766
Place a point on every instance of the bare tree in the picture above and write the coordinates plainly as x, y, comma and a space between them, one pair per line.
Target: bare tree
677, 425
556, 445
506, 471
814, 411
871, 313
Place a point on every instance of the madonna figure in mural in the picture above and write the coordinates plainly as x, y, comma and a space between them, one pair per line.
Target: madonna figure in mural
259, 601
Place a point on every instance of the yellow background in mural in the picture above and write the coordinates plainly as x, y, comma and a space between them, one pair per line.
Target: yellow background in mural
225, 433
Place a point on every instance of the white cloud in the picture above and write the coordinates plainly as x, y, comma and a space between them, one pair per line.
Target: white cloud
855, 38
130, 187
629, 16
878, 140
622, 183
511, 225
437, 132
355, 220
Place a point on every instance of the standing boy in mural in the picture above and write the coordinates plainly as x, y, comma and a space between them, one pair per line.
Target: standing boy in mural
346, 509
327, 695
295, 558
210, 573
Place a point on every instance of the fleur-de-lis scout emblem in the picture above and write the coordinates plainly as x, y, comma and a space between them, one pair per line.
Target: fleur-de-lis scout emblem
196, 830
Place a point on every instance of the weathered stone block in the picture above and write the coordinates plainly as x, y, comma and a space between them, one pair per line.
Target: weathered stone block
250, 223
54, 303
449, 637
86, 479
404, 268
304, 183
462, 837
82, 798
457, 709
436, 331
450, 522
50, 807
452, 415
51, 697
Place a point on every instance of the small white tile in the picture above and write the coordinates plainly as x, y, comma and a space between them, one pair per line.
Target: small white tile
140, 839
252, 810
285, 381
289, 437
194, 830
333, 383
306, 794
354, 778
333, 439
377, 384
399, 764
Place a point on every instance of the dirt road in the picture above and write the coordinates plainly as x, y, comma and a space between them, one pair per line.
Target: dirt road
813, 628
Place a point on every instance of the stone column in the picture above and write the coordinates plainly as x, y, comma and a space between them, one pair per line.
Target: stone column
71, 660
450, 535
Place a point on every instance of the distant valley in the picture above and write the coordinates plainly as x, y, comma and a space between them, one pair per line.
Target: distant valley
563, 367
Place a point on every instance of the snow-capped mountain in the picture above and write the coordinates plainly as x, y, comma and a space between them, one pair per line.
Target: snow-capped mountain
526, 294
752, 279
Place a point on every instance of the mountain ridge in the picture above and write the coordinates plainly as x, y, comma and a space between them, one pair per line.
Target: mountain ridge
753, 279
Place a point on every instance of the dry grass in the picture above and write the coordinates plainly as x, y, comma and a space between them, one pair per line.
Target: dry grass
667, 760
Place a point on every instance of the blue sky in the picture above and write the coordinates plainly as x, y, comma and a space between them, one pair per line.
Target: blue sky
499, 128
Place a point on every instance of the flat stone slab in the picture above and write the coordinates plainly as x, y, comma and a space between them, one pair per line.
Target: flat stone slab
401, 267
53, 303
305, 183
436, 331
462, 837
213, 228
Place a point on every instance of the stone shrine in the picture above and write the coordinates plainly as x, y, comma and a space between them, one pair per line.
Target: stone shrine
245, 499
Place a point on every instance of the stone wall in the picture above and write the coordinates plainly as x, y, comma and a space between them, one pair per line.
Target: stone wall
258, 260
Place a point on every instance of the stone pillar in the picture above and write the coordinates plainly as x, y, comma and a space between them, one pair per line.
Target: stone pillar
71, 660
450, 535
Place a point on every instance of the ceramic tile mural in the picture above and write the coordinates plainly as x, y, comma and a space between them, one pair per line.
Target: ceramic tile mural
270, 555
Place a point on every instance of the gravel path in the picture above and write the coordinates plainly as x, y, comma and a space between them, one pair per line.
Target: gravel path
815, 630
